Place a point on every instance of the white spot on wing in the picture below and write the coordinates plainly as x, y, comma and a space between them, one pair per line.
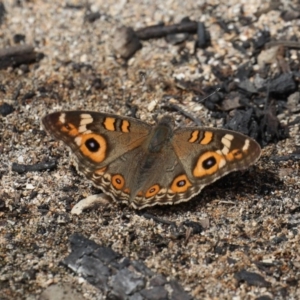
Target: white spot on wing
78, 140
62, 118
222, 163
229, 137
226, 140
107, 176
225, 150
81, 128
86, 119
246, 145
87, 132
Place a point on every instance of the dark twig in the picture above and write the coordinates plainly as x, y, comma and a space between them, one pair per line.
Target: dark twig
19, 168
17, 55
185, 113
289, 44
292, 156
158, 220
159, 31
17, 92
203, 99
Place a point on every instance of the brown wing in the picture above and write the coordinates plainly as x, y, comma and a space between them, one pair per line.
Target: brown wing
96, 139
207, 154
138, 178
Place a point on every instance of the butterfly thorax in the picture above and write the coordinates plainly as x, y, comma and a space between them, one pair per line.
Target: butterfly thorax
153, 157
162, 133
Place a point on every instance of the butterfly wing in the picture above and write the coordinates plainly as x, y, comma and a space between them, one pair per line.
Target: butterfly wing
207, 154
139, 178
97, 140
192, 159
155, 177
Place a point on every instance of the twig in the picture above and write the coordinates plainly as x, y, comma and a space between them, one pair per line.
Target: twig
159, 31
19, 168
17, 55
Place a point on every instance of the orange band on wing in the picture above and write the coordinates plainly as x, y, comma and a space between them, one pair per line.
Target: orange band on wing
125, 126
70, 129
208, 135
194, 136
235, 154
109, 123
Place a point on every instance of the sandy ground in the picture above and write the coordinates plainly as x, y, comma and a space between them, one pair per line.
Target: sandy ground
250, 220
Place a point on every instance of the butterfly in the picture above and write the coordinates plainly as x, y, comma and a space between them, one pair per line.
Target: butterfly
144, 165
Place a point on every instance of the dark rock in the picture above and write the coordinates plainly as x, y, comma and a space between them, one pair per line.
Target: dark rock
283, 85
136, 296
261, 39
197, 228
141, 267
178, 293
6, 109
28, 95
126, 282
156, 293
117, 277
126, 42
92, 17
105, 254
244, 71
231, 261
251, 278
158, 280
270, 127
242, 122
278, 239
18, 38
247, 87
290, 15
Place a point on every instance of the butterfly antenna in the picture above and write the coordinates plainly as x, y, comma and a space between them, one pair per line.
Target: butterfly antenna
203, 99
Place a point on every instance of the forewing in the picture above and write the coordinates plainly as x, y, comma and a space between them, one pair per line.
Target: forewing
96, 139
